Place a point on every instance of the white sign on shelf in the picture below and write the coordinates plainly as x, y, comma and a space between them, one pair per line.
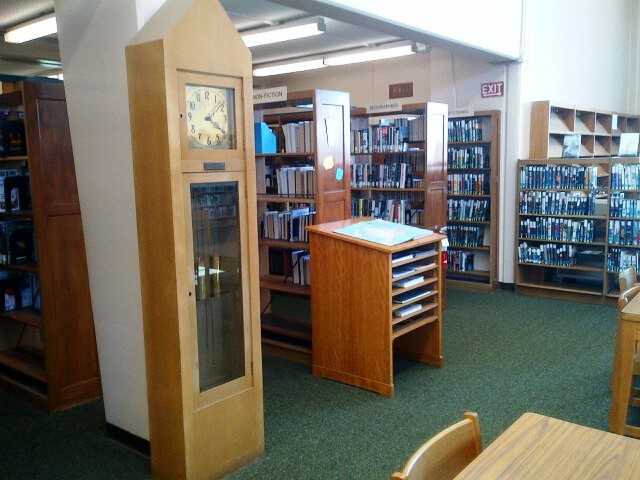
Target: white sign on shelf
461, 112
267, 95
386, 107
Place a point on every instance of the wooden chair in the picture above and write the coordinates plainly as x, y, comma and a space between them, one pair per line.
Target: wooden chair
446, 454
628, 278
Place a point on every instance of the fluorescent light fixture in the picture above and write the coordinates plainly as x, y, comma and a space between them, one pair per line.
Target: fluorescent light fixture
367, 55
40, 27
284, 32
288, 68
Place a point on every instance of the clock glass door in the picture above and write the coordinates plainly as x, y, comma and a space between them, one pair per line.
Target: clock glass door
220, 321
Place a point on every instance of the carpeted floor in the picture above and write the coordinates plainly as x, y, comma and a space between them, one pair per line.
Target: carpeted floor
504, 354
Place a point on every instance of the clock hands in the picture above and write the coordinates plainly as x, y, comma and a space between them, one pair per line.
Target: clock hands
214, 110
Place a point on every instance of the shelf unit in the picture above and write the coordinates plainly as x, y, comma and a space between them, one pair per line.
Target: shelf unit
359, 327
325, 195
380, 143
47, 347
590, 230
600, 130
473, 182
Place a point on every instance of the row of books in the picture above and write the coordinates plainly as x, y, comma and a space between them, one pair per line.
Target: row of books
618, 259
547, 254
17, 242
296, 181
301, 267
287, 225
382, 175
465, 235
388, 137
562, 229
460, 261
468, 157
468, 184
624, 232
19, 290
621, 207
298, 137
556, 203
397, 211
559, 176
465, 130
625, 176
468, 209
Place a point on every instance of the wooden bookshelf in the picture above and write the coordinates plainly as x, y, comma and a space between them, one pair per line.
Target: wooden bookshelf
48, 349
325, 120
357, 325
597, 224
600, 130
473, 180
415, 136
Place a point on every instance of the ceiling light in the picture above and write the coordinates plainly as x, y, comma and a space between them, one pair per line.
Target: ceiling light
284, 32
40, 27
367, 55
288, 68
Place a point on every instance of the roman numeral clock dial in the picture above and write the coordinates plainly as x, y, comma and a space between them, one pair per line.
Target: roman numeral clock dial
210, 123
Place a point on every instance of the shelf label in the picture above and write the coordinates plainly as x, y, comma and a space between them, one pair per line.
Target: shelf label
492, 89
384, 107
266, 95
461, 112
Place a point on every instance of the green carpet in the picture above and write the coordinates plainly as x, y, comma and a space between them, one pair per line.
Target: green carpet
504, 354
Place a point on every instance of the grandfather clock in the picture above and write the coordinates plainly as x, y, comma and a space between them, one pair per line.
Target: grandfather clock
190, 90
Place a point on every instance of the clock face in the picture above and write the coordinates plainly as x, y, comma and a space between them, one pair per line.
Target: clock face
210, 117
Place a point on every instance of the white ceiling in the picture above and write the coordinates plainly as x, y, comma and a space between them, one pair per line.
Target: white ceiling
344, 30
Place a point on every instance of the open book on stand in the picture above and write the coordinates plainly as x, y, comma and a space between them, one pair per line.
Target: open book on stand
383, 232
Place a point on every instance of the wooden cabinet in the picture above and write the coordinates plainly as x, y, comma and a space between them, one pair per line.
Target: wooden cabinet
306, 182
473, 182
370, 302
48, 348
599, 130
399, 170
191, 124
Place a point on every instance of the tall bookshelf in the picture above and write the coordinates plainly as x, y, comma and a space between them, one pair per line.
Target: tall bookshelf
473, 179
298, 187
48, 349
398, 169
599, 130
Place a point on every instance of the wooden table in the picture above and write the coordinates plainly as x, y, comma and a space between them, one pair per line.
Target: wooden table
542, 447
623, 368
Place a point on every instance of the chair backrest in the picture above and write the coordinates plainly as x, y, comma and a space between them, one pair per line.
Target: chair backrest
627, 278
626, 296
446, 454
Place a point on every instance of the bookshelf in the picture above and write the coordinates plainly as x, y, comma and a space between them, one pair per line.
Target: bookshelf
599, 130
365, 310
298, 187
47, 340
578, 226
398, 168
473, 179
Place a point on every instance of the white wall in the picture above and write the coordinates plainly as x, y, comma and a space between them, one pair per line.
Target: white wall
92, 35
582, 52
492, 25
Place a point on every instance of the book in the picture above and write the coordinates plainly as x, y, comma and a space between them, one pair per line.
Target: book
629, 144
404, 311
407, 297
409, 281
571, 145
399, 271
401, 257
384, 232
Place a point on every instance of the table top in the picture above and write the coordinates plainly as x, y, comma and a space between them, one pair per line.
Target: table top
540, 447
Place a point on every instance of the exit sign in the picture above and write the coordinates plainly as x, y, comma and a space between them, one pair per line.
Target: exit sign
493, 89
